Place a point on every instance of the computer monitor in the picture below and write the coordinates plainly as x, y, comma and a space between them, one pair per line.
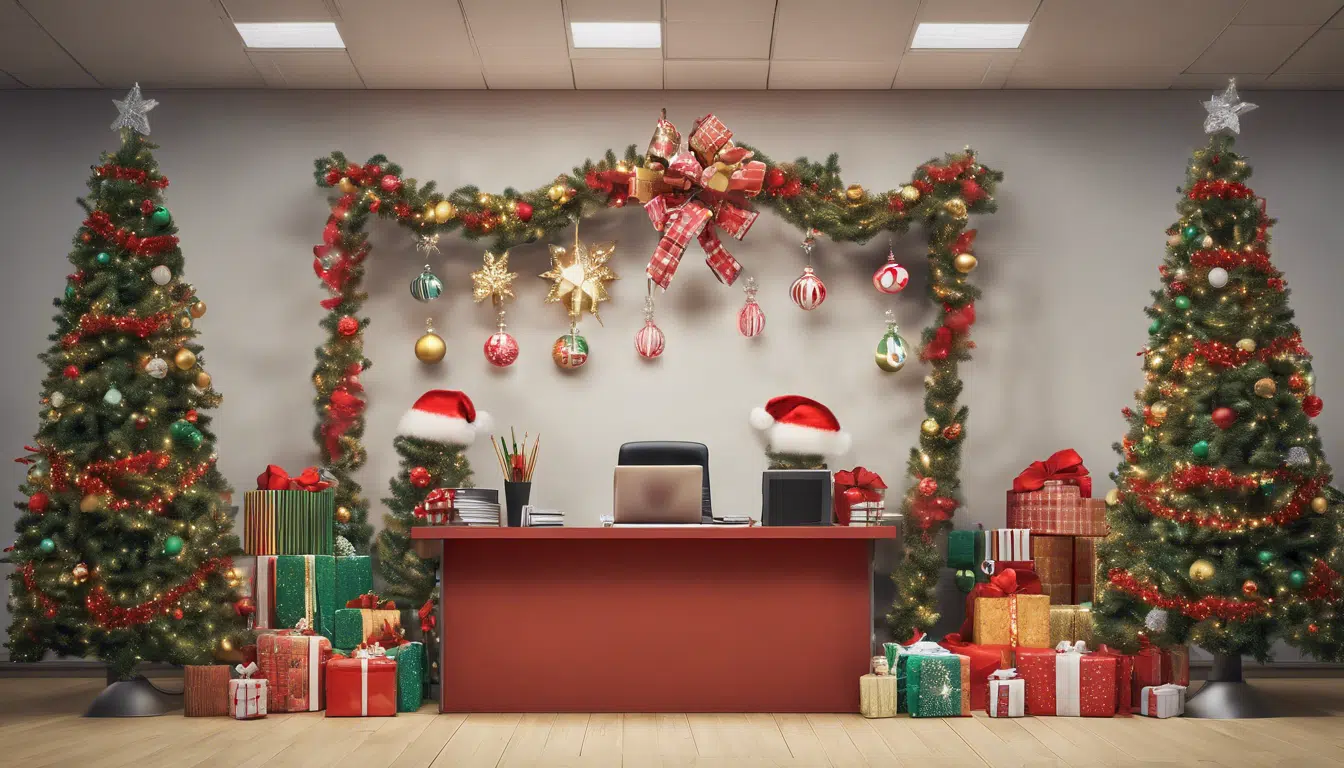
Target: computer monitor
671, 452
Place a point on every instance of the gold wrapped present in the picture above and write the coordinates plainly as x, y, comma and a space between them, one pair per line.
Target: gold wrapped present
877, 695
1016, 620
1070, 623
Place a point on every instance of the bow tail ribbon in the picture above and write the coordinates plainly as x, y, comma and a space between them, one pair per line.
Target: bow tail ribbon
679, 225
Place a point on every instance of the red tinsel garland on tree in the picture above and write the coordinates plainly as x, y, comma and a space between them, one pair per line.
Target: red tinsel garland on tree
131, 174
1147, 492
1230, 259
1201, 609
1221, 355
107, 615
1219, 188
96, 475
49, 606
101, 224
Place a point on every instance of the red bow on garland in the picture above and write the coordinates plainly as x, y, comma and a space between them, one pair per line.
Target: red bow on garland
1065, 465
427, 618
929, 511
1005, 583
277, 479
345, 410
372, 601
855, 487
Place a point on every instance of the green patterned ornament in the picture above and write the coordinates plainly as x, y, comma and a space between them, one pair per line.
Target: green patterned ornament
891, 351
571, 350
427, 287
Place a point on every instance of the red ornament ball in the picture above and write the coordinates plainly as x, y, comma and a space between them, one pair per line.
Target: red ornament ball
524, 211
38, 503
50, 613
71, 372
928, 486
141, 422
390, 184
1312, 405
501, 349
650, 341
1297, 382
774, 178
420, 477
177, 614
1249, 588
1224, 417
792, 188
951, 431
347, 326
1313, 629
244, 606
191, 415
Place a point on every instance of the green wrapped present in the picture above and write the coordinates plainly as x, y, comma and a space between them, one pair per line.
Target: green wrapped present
354, 577
291, 522
305, 588
410, 658
938, 685
353, 626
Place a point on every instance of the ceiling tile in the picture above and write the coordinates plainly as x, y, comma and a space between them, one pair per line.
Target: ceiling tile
158, 43
613, 10
306, 69
1049, 76
831, 75
979, 11
953, 69
740, 30
533, 28
377, 35
695, 74
1216, 82
1252, 49
629, 74
1305, 82
509, 73
1134, 34
1314, 12
32, 57
1322, 54
278, 10
847, 30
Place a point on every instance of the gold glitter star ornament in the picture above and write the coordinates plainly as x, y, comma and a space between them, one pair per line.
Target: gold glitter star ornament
580, 276
493, 280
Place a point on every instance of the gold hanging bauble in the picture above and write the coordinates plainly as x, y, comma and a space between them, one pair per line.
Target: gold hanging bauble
557, 192
444, 211
929, 427
1246, 345
854, 193
184, 359
342, 515
1266, 387
203, 380
91, 503
1113, 497
1202, 571
198, 309
956, 206
428, 214
430, 348
964, 263
1319, 505
910, 194
184, 322
347, 186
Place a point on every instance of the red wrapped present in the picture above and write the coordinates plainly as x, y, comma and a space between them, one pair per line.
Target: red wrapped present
1010, 610
1055, 497
362, 687
985, 661
1176, 665
1068, 681
853, 487
294, 665
1125, 702
263, 593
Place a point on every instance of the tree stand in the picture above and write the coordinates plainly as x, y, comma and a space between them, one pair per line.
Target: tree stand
1225, 695
136, 697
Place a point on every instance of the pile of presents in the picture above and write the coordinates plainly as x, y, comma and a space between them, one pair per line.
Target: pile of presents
1026, 647
324, 639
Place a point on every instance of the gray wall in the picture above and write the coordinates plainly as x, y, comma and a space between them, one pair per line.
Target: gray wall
1066, 265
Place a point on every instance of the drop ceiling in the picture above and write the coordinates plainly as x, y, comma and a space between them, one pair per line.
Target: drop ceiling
737, 44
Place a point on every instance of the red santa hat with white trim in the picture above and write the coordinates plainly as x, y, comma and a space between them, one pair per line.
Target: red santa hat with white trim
444, 416
798, 425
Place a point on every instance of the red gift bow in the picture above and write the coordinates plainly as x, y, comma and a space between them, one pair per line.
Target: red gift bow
346, 408
929, 511
1064, 465
855, 487
389, 637
275, 478
437, 507
427, 618
371, 601
1006, 583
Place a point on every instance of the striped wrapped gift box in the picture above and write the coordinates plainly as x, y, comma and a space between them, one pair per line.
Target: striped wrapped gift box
289, 522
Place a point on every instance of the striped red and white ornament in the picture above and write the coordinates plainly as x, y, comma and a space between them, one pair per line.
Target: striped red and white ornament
751, 318
649, 340
808, 291
891, 277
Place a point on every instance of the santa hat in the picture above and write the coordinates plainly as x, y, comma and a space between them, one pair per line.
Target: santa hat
444, 416
798, 425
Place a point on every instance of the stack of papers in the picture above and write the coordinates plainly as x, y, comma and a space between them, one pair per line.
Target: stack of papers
734, 520
542, 518
478, 506
866, 515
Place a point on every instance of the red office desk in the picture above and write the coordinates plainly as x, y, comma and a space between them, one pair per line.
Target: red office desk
713, 619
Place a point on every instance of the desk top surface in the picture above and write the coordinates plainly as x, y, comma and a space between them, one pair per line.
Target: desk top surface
826, 532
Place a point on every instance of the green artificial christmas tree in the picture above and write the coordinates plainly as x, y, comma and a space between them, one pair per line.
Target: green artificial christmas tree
1225, 533
125, 540
431, 440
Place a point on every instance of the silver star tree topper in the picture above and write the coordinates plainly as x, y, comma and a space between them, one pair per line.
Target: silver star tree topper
133, 112
1225, 110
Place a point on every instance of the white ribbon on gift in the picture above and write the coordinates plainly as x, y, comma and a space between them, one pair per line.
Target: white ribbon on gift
375, 651
364, 686
1068, 678
1079, 646
261, 591
246, 672
923, 648
314, 672
1004, 674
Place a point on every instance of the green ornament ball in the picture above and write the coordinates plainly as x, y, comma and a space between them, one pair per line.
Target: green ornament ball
194, 439
47, 546
103, 258
69, 291
1200, 449
180, 429
1267, 488
173, 545
161, 217
1298, 579
1182, 302
1264, 556
1190, 233
1155, 326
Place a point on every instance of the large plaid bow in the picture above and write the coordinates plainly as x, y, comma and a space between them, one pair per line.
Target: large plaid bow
705, 186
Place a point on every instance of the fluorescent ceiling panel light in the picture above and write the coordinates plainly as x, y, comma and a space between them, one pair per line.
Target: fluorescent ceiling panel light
291, 34
616, 34
969, 35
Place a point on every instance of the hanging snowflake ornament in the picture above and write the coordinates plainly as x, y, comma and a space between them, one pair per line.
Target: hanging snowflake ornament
579, 277
1225, 110
133, 112
1156, 620
494, 281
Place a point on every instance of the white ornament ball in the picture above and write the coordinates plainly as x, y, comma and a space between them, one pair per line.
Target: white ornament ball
157, 368
1174, 240
1179, 274
1156, 620
1207, 242
57, 399
1297, 457
161, 275
1217, 277
112, 397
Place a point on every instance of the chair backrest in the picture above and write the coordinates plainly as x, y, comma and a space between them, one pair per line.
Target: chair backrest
664, 452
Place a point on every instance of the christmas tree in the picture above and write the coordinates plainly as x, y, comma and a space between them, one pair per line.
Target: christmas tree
125, 541
1224, 531
431, 441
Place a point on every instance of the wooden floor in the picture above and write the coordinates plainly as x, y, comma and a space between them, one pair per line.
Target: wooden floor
40, 726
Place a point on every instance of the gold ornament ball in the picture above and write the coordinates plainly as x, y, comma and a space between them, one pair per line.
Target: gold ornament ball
1159, 410
1202, 571
910, 194
342, 515
430, 348
956, 206
184, 322
964, 263
225, 644
198, 309
428, 214
184, 359
90, 503
203, 380
1319, 505
347, 186
929, 427
485, 199
1113, 497
37, 475
854, 193
1266, 387
1246, 345
556, 192
444, 211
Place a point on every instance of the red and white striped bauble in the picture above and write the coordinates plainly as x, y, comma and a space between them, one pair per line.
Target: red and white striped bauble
501, 349
649, 340
808, 291
751, 319
891, 277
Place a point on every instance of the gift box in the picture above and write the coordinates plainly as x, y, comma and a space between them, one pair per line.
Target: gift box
1070, 623
411, 667
305, 588
1008, 610
938, 685
1176, 665
1067, 566
247, 695
1007, 544
877, 695
985, 661
294, 666
859, 497
289, 522
1125, 702
1162, 701
354, 577
1007, 694
1055, 497
899, 653
1068, 681
262, 580
362, 687
362, 618
205, 690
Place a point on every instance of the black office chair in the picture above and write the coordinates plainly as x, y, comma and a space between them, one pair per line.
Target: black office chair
671, 452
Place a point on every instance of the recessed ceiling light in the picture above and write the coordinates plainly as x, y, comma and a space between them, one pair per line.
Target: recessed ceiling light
291, 34
969, 35
616, 34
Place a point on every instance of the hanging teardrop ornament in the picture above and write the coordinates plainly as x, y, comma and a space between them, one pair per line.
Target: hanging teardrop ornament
891, 277
427, 287
891, 351
751, 318
649, 340
808, 291
501, 349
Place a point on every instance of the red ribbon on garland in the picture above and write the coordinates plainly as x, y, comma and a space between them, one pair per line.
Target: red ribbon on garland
855, 486
929, 511
427, 618
1065, 465
345, 410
